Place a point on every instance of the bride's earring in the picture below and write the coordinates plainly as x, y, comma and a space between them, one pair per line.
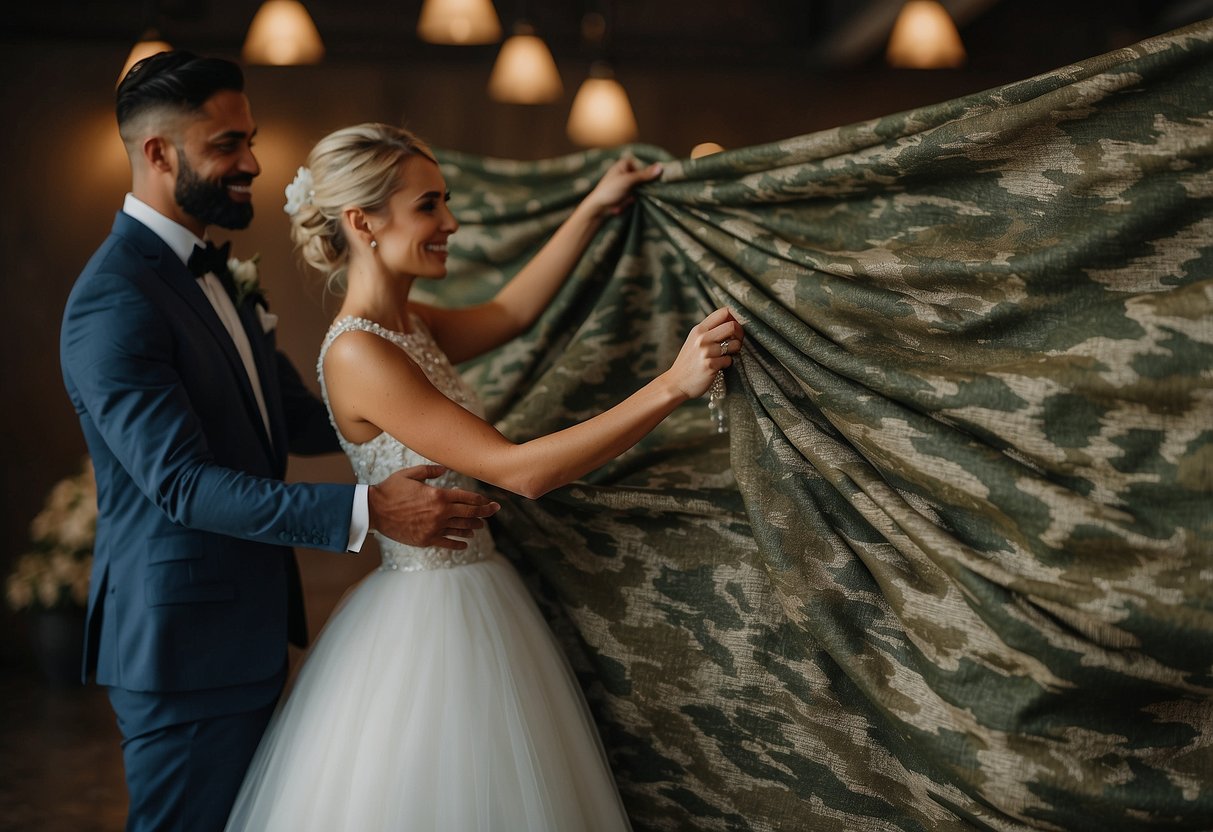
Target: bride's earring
374, 244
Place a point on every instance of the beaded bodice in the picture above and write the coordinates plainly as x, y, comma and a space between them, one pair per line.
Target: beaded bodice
376, 459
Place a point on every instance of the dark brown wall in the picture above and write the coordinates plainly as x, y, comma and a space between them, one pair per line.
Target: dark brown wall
64, 176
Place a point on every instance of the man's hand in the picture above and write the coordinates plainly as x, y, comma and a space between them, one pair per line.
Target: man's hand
404, 508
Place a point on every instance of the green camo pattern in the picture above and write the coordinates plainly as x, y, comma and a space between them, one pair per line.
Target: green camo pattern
950, 567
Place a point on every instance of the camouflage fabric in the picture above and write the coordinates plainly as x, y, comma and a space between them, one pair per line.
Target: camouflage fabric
950, 566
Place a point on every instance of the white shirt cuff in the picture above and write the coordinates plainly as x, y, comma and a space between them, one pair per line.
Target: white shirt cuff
360, 519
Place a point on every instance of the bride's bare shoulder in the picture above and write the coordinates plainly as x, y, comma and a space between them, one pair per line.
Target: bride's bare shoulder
357, 350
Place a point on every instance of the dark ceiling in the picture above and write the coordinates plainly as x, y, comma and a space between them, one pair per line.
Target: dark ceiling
793, 34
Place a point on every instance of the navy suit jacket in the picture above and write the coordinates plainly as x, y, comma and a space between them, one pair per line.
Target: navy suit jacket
194, 582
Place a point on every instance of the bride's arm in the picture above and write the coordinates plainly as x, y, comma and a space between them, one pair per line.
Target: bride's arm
372, 381
466, 333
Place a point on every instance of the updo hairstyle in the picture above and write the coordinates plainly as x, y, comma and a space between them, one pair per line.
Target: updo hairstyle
358, 167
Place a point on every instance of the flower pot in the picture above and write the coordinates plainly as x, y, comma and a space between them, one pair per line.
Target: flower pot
57, 637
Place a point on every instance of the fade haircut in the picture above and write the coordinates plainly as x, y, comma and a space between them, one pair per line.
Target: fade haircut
171, 84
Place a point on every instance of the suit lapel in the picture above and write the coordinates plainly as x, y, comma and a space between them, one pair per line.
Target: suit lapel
169, 267
267, 368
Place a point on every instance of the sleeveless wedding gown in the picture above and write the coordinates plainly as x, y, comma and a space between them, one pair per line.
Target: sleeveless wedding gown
436, 697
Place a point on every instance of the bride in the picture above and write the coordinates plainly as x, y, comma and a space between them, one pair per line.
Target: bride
436, 698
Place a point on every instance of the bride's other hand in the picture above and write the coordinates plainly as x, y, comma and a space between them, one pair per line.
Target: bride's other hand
613, 193
709, 348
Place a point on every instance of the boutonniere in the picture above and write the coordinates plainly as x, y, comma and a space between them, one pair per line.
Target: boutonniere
247, 280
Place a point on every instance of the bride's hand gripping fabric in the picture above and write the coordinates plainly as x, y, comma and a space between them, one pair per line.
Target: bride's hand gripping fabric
615, 191
708, 350
466, 333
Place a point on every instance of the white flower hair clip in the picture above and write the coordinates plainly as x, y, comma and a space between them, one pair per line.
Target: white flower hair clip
299, 192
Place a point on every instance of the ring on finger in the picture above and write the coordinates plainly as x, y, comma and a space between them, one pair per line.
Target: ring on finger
724, 347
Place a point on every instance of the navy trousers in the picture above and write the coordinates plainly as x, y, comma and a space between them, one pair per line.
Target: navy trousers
185, 762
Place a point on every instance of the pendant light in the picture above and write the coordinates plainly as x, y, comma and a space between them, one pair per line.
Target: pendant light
148, 45
459, 22
525, 72
924, 37
601, 115
282, 34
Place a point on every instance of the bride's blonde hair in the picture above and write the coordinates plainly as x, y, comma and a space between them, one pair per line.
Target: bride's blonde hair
355, 166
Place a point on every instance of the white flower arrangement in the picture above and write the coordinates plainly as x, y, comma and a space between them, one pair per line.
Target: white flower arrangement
56, 572
299, 192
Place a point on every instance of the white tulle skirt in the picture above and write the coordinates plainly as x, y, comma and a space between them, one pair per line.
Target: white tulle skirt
432, 700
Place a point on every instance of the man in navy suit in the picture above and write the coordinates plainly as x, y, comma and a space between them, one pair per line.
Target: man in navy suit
189, 412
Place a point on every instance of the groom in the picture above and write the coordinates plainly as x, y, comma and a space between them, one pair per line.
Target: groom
189, 413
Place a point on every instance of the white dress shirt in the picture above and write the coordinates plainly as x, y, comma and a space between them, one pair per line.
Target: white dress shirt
182, 241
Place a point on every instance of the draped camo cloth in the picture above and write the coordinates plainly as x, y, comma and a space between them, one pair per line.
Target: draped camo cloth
950, 567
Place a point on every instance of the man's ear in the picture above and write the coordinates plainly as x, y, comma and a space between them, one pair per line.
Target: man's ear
160, 154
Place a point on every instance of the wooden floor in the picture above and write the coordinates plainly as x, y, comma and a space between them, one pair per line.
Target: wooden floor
61, 756
60, 761
60, 753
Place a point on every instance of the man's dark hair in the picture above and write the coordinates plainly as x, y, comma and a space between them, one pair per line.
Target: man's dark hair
176, 80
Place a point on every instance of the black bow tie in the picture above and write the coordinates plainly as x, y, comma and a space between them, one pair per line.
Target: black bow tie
213, 259
210, 259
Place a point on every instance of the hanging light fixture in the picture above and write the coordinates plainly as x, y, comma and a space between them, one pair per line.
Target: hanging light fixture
148, 45
601, 115
525, 72
459, 22
924, 37
705, 149
282, 34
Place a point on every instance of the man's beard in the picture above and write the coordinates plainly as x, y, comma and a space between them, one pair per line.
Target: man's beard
208, 201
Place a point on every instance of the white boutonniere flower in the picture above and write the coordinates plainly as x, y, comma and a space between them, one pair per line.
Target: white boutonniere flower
247, 281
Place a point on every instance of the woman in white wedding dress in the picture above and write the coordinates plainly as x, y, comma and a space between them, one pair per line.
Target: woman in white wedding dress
436, 698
